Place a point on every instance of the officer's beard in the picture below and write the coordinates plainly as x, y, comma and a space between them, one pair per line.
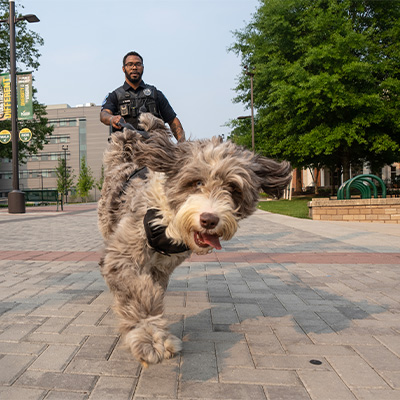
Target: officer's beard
134, 80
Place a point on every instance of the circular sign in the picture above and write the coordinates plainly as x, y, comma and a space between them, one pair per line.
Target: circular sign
5, 136
25, 135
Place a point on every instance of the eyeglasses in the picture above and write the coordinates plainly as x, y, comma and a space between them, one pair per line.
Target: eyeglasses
131, 65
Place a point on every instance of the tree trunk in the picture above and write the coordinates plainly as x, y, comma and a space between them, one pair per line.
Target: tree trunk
346, 166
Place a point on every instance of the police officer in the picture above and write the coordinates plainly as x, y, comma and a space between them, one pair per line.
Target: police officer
135, 97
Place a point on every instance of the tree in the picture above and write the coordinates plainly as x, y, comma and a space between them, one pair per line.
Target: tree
27, 55
85, 181
65, 177
99, 183
326, 84
240, 132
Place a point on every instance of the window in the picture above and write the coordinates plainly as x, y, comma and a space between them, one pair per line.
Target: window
58, 139
62, 122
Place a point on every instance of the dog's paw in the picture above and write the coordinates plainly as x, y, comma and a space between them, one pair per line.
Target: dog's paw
172, 345
150, 344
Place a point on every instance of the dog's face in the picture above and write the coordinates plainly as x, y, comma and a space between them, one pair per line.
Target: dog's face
210, 185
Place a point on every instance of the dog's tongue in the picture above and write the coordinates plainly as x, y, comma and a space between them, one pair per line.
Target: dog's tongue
212, 240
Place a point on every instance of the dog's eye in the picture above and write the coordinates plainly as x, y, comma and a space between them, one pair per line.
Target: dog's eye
198, 184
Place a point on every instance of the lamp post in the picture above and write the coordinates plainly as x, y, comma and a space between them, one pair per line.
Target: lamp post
251, 75
16, 198
65, 148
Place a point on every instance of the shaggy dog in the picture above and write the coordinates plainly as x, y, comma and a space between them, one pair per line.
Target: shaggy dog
159, 203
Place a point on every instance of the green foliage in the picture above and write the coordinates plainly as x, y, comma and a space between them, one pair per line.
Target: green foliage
240, 132
65, 177
86, 181
99, 183
327, 80
27, 55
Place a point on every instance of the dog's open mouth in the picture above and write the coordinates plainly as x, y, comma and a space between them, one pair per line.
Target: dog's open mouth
206, 240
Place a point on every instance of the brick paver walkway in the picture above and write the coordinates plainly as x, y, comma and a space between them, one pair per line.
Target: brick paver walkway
289, 309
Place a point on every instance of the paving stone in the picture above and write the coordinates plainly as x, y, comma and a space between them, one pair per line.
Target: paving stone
15, 333
216, 391
289, 362
12, 366
379, 357
119, 368
325, 385
393, 378
199, 367
54, 325
62, 338
97, 347
246, 311
21, 348
113, 388
355, 372
166, 375
264, 344
375, 394
54, 358
89, 318
224, 314
286, 393
320, 350
64, 395
233, 355
16, 393
392, 342
57, 381
258, 376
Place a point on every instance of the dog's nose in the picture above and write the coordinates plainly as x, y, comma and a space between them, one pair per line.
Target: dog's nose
208, 220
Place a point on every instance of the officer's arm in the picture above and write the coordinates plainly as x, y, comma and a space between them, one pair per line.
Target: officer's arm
107, 118
177, 129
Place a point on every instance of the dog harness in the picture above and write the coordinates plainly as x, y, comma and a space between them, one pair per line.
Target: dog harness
156, 236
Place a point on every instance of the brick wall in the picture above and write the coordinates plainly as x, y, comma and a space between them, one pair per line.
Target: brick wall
360, 210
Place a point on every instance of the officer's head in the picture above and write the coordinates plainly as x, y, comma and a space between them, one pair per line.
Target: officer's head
132, 65
131, 53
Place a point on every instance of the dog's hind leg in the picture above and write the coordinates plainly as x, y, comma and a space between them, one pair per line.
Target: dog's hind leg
139, 305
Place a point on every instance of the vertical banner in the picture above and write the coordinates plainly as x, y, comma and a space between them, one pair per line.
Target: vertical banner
5, 96
24, 94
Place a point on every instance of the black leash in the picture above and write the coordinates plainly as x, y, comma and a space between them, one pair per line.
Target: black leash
127, 125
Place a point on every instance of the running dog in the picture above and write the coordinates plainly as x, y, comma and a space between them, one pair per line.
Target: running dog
159, 203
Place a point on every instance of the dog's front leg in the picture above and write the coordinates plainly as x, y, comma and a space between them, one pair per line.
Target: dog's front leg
139, 305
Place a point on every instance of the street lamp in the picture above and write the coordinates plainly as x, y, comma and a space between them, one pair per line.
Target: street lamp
16, 198
251, 75
65, 148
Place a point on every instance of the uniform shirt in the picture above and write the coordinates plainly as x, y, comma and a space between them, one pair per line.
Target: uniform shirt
165, 109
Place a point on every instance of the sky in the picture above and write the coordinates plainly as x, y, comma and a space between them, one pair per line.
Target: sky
184, 44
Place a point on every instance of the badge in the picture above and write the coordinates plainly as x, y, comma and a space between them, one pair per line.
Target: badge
147, 92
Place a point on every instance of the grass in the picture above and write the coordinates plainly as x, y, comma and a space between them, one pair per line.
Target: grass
297, 207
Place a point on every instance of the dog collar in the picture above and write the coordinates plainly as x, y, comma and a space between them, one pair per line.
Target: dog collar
157, 238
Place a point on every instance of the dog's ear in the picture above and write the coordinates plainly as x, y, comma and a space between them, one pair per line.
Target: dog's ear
273, 176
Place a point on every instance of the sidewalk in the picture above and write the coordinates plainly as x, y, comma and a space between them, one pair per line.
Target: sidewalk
290, 309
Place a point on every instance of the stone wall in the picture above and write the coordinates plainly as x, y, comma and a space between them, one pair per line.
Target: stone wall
356, 210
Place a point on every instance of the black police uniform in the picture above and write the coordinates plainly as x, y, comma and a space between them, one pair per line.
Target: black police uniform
130, 103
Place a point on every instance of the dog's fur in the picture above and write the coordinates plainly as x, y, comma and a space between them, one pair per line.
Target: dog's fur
201, 190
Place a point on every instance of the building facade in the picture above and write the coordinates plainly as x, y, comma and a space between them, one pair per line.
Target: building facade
77, 133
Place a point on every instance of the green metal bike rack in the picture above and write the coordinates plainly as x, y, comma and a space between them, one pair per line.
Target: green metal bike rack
363, 183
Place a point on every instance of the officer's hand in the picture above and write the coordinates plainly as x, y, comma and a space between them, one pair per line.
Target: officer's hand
114, 121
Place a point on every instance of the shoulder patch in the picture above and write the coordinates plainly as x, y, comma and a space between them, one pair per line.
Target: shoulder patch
105, 100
